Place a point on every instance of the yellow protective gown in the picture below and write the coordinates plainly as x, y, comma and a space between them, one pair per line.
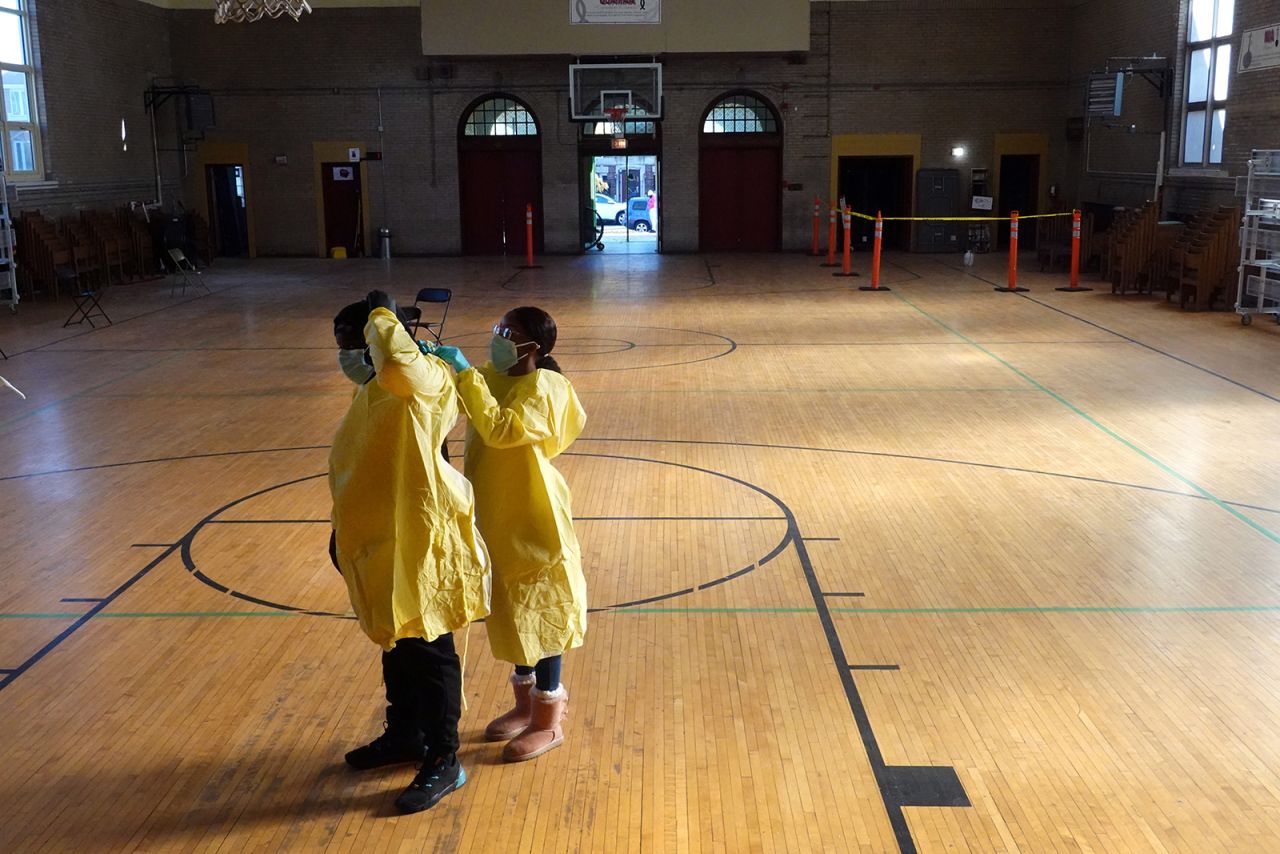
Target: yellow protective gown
407, 543
517, 426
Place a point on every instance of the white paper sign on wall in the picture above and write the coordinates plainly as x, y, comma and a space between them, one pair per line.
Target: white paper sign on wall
353, 154
1260, 49
982, 203
344, 173
615, 11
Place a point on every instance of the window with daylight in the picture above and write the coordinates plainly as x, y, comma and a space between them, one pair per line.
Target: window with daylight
21, 123
499, 117
1207, 63
740, 114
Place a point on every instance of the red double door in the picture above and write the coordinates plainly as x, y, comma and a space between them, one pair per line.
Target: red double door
739, 198
495, 187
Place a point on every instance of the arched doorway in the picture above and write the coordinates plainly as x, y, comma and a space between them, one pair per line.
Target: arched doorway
740, 175
499, 173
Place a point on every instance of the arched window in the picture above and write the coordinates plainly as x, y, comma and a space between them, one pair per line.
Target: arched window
740, 113
500, 117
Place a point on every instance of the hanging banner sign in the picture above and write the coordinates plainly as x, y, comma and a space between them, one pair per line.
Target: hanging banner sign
615, 11
1260, 49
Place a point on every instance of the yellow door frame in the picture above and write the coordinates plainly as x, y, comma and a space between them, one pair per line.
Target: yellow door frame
1022, 143
874, 145
226, 154
336, 152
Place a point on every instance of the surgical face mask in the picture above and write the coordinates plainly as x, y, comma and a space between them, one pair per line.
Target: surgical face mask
354, 366
504, 353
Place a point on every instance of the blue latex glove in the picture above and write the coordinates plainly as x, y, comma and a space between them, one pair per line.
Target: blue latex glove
453, 356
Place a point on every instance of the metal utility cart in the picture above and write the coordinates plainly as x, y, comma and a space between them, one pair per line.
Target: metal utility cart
1259, 287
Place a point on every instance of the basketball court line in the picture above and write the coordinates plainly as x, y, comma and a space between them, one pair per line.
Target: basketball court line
1128, 443
1126, 338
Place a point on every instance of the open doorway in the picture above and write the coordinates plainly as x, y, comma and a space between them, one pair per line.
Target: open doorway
624, 201
1019, 191
228, 210
343, 207
870, 184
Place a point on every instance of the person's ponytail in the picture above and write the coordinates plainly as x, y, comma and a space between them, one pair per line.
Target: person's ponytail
541, 328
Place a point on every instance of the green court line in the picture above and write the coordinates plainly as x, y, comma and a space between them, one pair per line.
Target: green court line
995, 609
825, 391
1163, 466
74, 615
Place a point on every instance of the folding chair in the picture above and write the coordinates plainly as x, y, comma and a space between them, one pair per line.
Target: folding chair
85, 297
430, 295
181, 267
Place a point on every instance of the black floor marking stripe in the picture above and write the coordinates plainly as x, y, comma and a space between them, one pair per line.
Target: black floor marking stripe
710, 272
270, 522
875, 667
926, 786
178, 459
837, 595
80, 621
898, 789
1120, 335
127, 319
1153, 349
924, 459
81, 599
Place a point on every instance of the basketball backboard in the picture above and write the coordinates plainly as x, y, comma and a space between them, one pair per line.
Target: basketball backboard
595, 89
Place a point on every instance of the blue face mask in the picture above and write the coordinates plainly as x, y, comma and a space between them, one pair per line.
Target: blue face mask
504, 353
354, 366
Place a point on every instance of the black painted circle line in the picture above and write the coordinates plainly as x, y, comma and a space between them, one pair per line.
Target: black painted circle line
187, 542
618, 345
763, 445
721, 340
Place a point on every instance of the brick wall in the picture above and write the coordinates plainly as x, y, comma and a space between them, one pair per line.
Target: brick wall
280, 86
96, 57
954, 72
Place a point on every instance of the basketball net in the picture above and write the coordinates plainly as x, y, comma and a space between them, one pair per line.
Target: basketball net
240, 11
618, 115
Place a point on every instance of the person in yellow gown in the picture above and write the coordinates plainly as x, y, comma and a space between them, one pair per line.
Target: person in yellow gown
405, 541
523, 413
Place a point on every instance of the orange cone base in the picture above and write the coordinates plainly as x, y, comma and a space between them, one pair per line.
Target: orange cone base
1011, 290
873, 290
1071, 290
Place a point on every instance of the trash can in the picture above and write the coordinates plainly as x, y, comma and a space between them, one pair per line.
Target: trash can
384, 243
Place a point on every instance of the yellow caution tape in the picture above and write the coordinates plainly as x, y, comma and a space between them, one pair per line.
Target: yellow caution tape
955, 218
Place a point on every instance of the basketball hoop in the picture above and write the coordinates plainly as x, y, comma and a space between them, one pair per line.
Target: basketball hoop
240, 11
618, 115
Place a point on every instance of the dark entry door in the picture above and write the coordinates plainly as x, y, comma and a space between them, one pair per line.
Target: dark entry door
883, 184
343, 213
228, 219
495, 187
739, 192
1020, 191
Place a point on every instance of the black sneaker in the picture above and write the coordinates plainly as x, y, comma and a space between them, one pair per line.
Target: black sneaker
433, 782
390, 748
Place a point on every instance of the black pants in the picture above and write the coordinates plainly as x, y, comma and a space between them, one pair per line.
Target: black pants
424, 691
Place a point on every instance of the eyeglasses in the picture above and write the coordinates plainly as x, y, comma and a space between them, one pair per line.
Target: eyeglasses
502, 331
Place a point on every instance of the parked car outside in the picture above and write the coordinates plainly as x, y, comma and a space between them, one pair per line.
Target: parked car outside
642, 217
610, 211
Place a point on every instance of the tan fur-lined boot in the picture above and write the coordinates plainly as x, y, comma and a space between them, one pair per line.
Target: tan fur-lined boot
513, 722
544, 732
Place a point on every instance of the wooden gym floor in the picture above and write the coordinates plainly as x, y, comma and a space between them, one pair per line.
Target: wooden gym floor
938, 569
